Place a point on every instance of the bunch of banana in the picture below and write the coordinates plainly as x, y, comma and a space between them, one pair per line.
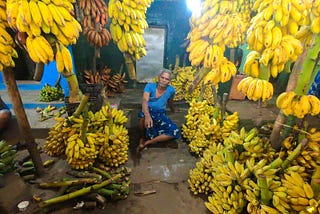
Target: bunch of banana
102, 75
114, 149
63, 59
95, 18
201, 176
90, 78
226, 199
95, 12
50, 93
256, 89
280, 200
271, 36
182, 76
97, 37
196, 93
230, 123
81, 154
298, 105
221, 72
315, 17
7, 51
305, 36
7, 156
252, 144
116, 83
300, 194
46, 23
128, 25
55, 143
3, 15
195, 113
44, 17
222, 23
118, 117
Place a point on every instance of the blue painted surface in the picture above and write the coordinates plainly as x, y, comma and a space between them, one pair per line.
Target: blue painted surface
35, 105
50, 76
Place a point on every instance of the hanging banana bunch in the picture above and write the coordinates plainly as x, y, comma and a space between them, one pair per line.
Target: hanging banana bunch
298, 105
222, 23
127, 29
7, 51
276, 37
47, 24
94, 20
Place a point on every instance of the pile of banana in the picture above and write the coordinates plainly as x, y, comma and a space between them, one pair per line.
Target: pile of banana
95, 17
47, 25
50, 93
298, 105
255, 88
243, 173
7, 51
102, 137
205, 126
128, 25
7, 157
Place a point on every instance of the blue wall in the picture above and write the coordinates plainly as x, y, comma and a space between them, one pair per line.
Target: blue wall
50, 76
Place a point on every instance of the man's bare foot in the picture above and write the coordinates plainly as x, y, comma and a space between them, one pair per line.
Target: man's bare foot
141, 145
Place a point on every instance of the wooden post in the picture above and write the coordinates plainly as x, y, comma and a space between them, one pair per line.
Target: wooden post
38, 72
22, 119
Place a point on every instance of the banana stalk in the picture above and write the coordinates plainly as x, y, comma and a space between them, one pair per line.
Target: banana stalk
130, 66
275, 137
101, 172
309, 67
74, 91
82, 105
80, 192
266, 194
84, 174
68, 183
295, 153
315, 182
264, 72
199, 76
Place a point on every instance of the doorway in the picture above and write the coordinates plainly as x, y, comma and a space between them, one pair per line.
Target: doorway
149, 66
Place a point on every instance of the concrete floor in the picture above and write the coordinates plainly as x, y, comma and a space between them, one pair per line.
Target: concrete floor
163, 168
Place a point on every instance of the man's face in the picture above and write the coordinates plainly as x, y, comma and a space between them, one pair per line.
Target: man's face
164, 80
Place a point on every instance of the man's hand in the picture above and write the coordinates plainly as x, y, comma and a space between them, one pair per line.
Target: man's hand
148, 123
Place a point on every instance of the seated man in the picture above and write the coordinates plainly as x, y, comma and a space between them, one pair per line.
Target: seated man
155, 126
5, 115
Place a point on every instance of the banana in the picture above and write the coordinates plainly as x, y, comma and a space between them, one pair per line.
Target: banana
35, 13
56, 15
315, 105
284, 99
45, 13
67, 59
59, 59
